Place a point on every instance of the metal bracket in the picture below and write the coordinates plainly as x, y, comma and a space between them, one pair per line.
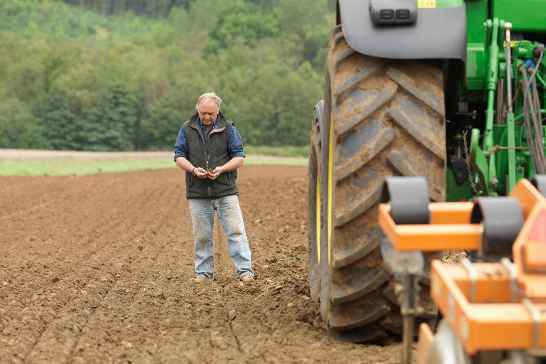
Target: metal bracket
535, 316
473, 275
408, 310
511, 269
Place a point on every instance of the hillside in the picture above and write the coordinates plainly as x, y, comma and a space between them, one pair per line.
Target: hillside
156, 8
74, 78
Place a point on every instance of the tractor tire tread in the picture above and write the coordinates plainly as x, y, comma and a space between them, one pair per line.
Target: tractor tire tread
388, 119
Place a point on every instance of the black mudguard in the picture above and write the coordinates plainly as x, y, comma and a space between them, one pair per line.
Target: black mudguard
438, 33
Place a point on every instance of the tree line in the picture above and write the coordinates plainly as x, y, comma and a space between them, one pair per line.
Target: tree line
156, 8
95, 75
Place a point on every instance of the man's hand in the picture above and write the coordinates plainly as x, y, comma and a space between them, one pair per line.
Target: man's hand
215, 173
199, 172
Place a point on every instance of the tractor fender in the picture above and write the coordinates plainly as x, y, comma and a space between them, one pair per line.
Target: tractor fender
438, 33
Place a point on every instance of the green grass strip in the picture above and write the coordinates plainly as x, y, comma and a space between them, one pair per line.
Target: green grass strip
67, 167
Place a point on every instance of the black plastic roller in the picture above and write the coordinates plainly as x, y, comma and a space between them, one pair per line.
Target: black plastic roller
408, 197
502, 220
539, 181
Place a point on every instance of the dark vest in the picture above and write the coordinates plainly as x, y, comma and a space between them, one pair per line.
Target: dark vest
208, 153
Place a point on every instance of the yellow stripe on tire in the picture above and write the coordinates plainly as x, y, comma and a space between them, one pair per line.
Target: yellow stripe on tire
317, 217
331, 142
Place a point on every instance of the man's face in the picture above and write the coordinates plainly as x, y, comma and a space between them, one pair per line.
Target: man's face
208, 111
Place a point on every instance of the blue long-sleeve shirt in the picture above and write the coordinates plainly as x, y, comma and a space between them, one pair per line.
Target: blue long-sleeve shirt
235, 143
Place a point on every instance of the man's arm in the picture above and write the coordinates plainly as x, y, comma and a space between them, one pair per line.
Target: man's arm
184, 164
233, 164
235, 143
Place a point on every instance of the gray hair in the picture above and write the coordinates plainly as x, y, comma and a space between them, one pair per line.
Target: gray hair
206, 97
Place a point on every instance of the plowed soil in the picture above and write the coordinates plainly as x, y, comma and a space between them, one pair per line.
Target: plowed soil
98, 269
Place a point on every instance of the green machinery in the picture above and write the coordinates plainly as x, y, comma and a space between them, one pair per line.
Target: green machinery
505, 79
451, 90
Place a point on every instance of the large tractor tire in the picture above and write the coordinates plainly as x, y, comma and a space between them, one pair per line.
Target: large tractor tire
381, 118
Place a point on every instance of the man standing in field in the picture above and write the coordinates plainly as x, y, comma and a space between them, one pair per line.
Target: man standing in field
209, 149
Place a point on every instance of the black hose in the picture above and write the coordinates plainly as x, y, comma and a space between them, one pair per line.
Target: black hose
533, 121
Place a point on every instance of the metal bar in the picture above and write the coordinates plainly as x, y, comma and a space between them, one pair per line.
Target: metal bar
473, 276
409, 324
510, 123
408, 314
492, 27
511, 269
535, 316
430, 237
444, 213
447, 213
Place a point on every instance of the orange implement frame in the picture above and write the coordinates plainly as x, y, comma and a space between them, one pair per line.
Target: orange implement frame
437, 236
449, 228
490, 321
490, 306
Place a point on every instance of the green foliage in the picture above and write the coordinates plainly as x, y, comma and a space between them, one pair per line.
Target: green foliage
31, 18
162, 123
115, 119
18, 127
58, 121
71, 78
155, 8
246, 22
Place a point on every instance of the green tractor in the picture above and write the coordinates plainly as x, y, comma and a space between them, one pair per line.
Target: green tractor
451, 90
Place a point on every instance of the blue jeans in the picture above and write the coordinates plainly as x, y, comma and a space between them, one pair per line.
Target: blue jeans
231, 218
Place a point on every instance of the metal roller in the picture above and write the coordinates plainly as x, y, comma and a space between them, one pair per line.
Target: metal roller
502, 220
409, 198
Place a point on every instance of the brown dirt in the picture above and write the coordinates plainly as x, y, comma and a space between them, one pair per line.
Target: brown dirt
98, 269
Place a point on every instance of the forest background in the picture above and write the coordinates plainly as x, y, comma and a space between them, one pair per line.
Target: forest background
106, 75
